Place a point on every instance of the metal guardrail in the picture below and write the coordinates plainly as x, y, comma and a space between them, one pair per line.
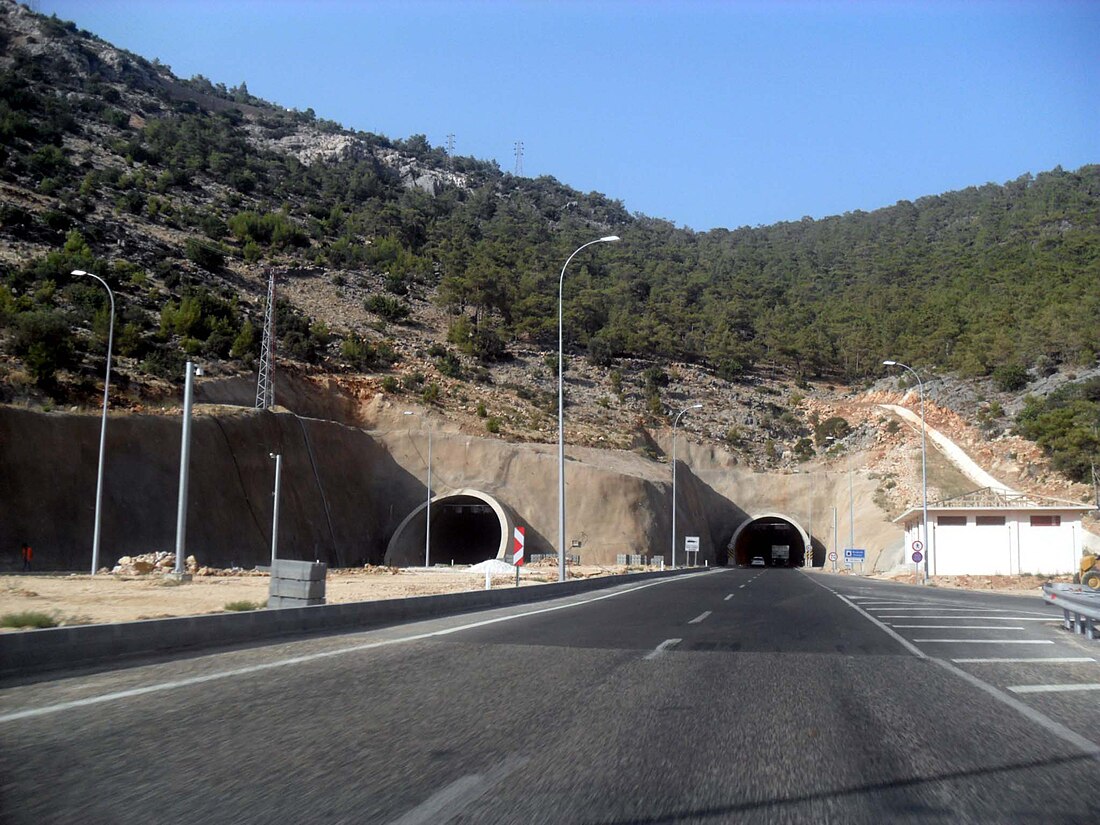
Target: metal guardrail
1080, 607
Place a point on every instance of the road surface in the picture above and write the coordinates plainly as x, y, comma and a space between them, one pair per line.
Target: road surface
731, 695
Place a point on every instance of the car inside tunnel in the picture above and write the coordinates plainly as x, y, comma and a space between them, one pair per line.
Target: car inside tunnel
775, 540
465, 529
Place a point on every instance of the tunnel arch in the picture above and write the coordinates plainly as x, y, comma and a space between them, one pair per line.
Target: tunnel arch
757, 535
468, 526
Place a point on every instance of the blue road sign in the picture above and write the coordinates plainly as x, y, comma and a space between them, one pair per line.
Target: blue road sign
852, 553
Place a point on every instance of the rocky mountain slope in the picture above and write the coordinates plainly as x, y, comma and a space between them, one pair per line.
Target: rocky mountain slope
410, 278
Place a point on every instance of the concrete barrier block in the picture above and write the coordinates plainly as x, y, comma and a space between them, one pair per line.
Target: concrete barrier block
298, 589
279, 602
301, 570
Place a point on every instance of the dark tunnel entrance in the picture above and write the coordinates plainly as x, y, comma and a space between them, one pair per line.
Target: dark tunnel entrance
778, 541
465, 529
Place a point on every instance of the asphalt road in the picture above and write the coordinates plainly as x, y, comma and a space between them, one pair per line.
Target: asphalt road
727, 696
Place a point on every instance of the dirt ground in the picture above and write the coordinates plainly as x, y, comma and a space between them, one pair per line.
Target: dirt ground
73, 598
1029, 585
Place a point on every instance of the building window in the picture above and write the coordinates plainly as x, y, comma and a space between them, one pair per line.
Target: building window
990, 521
1046, 521
951, 521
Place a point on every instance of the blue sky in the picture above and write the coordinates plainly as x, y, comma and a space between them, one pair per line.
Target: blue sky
703, 113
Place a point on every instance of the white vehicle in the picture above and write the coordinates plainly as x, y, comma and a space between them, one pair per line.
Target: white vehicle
758, 561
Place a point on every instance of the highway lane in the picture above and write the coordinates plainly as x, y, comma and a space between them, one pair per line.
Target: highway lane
735, 695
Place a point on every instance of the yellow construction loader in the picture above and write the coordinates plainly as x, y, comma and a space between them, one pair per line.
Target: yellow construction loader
1090, 571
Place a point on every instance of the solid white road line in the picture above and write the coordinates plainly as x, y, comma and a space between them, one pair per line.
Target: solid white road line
943, 609
730, 596
700, 617
989, 641
982, 618
957, 626
309, 657
916, 651
662, 647
1058, 660
1051, 688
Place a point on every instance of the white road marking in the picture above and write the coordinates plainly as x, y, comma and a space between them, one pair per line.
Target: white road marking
1052, 688
662, 647
730, 596
309, 657
742, 587
957, 626
1060, 660
1086, 746
989, 641
942, 609
700, 617
983, 618
916, 651
448, 802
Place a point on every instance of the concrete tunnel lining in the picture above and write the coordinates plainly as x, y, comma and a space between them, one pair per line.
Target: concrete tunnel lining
404, 551
764, 520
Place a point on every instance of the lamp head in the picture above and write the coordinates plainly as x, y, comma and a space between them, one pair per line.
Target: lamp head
408, 412
889, 363
696, 406
78, 272
609, 239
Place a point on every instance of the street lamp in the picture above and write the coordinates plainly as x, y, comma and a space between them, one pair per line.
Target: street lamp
275, 510
676, 421
103, 425
428, 506
923, 461
561, 410
851, 498
185, 462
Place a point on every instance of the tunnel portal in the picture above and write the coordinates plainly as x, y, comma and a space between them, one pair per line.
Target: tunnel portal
467, 527
778, 540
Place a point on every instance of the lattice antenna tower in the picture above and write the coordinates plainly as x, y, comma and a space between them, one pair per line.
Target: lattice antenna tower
450, 148
265, 381
519, 158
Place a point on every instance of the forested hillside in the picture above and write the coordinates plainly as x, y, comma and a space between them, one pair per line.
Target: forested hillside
181, 194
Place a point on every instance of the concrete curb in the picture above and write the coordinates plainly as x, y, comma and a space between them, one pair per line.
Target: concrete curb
63, 648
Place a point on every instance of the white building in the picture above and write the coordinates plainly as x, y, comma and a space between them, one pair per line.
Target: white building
996, 532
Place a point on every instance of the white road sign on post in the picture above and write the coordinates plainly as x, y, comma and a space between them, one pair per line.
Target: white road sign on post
691, 545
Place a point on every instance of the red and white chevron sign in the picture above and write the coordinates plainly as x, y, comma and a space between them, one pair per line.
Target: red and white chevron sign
517, 547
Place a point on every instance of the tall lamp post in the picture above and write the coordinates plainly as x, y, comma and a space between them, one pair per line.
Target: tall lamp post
103, 424
275, 509
561, 410
428, 505
851, 498
185, 464
676, 421
923, 462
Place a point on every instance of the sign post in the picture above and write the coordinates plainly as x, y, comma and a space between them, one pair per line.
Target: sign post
517, 550
691, 545
918, 557
852, 555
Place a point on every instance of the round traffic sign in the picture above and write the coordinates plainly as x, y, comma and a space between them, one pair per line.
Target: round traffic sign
832, 555
918, 545
917, 556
